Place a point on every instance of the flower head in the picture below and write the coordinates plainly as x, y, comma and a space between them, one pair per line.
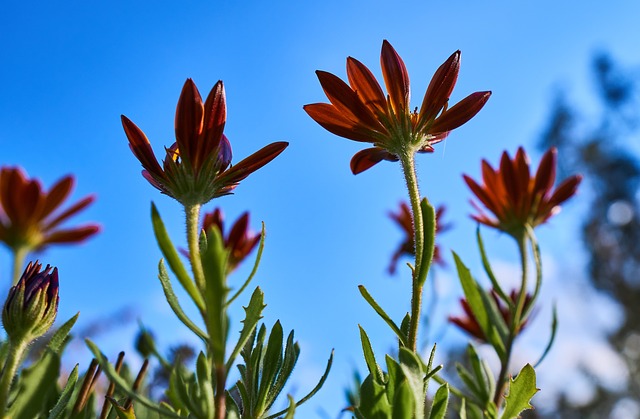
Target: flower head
28, 217
516, 199
469, 323
360, 111
32, 304
239, 241
197, 167
405, 220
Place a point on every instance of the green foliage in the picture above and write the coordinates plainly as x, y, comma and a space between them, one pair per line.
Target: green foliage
521, 390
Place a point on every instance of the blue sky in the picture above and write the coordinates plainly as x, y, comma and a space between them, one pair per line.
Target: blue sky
69, 70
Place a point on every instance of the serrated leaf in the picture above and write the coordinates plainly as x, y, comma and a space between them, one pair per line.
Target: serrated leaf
521, 391
372, 302
58, 411
173, 259
440, 403
253, 314
172, 299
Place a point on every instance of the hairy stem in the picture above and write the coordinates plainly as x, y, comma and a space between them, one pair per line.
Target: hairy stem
14, 357
409, 169
193, 241
19, 255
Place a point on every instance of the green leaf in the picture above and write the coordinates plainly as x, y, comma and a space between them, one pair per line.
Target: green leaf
372, 302
270, 366
472, 294
291, 354
313, 391
59, 338
36, 387
121, 411
370, 358
483, 376
487, 268
205, 385
413, 369
173, 259
440, 402
122, 385
429, 232
520, 392
291, 410
58, 411
215, 295
255, 267
554, 328
253, 314
404, 404
373, 400
172, 299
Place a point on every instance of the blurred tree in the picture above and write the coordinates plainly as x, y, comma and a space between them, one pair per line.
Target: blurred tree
603, 147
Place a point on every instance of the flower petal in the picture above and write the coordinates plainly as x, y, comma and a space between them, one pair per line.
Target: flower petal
72, 235
367, 158
366, 86
396, 78
141, 148
335, 122
74, 209
57, 194
460, 113
245, 167
188, 122
215, 116
440, 88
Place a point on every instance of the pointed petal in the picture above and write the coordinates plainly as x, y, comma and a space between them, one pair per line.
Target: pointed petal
546, 173
141, 147
366, 86
460, 113
224, 153
335, 122
215, 116
565, 190
72, 235
396, 78
57, 194
245, 167
367, 158
74, 209
440, 88
347, 101
238, 231
188, 122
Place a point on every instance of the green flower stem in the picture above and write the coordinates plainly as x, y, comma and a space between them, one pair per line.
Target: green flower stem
409, 168
14, 357
193, 241
19, 255
515, 319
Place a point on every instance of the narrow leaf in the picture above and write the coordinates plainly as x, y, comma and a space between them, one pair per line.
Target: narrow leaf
255, 267
487, 268
383, 314
554, 329
440, 403
172, 299
173, 259
369, 357
58, 411
429, 232
472, 294
56, 344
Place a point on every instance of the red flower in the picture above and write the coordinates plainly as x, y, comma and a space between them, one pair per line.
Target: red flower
470, 325
240, 240
517, 199
197, 167
407, 247
28, 220
360, 111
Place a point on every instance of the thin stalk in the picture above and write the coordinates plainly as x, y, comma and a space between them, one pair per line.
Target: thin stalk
193, 241
514, 325
19, 255
408, 167
14, 357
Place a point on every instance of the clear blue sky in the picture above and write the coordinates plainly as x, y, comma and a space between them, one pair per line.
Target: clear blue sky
70, 69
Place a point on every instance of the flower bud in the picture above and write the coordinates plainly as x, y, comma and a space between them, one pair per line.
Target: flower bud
32, 304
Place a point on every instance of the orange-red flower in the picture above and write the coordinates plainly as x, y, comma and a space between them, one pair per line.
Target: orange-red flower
517, 199
28, 217
360, 111
405, 220
197, 167
468, 322
240, 240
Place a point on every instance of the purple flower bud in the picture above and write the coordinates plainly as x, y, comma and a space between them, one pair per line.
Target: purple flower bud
32, 304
